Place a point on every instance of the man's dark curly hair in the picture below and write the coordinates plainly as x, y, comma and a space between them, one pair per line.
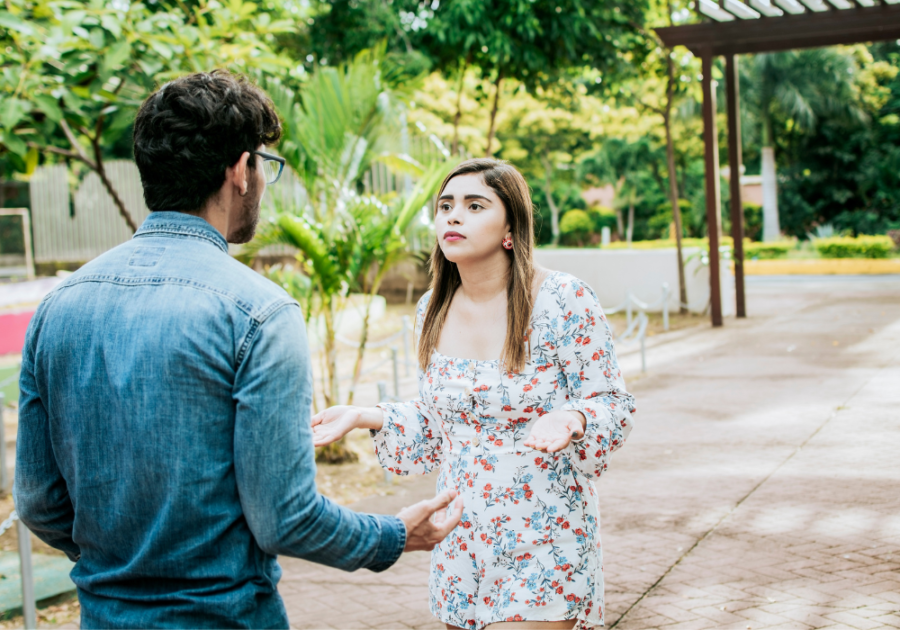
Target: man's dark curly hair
192, 129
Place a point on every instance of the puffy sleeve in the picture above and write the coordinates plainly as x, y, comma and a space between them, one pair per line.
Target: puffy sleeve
593, 379
410, 440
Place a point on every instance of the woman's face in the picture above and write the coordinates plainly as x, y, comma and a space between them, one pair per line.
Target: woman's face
470, 220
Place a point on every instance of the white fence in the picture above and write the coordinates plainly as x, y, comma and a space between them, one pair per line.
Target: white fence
77, 221
79, 226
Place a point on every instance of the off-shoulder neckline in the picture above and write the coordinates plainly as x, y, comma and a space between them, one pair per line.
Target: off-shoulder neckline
496, 361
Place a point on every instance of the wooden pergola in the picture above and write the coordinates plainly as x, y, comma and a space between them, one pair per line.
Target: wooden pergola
734, 27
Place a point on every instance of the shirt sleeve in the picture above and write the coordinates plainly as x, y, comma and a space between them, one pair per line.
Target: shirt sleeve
275, 460
410, 440
40, 492
593, 378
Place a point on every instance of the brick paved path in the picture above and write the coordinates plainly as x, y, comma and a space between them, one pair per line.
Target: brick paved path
759, 489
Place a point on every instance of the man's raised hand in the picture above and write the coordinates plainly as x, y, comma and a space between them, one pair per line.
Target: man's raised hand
423, 533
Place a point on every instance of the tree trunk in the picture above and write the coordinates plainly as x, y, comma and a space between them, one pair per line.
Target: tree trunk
101, 171
620, 224
676, 212
771, 227
454, 148
548, 192
490, 139
336, 452
630, 222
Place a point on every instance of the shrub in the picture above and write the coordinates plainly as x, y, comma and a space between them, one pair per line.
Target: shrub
602, 217
669, 243
767, 251
753, 222
575, 227
858, 247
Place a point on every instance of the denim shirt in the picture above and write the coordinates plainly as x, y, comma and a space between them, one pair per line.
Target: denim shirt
164, 438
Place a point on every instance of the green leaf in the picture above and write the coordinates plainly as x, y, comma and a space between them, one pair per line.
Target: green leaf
14, 143
117, 54
49, 106
31, 161
401, 163
111, 24
12, 110
13, 23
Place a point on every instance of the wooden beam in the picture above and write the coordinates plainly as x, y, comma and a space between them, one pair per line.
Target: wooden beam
829, 28
711, 155
733, 97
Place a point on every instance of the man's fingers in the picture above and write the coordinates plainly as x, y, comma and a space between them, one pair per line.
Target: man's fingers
452, 519
441, 501
423, 510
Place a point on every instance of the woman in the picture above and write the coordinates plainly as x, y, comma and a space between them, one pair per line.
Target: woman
520, 404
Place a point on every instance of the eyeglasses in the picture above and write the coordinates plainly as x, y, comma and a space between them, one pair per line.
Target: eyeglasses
272, 166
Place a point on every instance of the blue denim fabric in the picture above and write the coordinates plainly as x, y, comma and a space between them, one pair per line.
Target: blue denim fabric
164, 438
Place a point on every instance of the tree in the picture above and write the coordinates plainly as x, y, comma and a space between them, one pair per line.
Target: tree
344, 119
74, 74
845, 171
537, 43
665, 78
796, 88
544, 132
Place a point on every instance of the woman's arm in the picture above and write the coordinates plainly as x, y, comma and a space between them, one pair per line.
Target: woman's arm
409, 441
595, 385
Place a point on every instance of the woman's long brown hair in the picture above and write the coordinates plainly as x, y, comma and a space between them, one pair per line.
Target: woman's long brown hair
513, 191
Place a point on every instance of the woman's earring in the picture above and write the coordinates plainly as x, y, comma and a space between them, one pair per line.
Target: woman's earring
507, 243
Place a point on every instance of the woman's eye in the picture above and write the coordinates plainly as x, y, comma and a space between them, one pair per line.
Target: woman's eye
476, 207
445, 207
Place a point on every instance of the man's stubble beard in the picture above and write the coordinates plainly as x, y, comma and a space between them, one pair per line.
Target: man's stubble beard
249, 219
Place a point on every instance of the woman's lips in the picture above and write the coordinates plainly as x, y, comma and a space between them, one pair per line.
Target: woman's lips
453, 236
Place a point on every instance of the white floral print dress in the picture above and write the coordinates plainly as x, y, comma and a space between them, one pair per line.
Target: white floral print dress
528, 544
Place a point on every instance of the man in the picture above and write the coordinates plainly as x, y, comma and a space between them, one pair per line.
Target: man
164, 433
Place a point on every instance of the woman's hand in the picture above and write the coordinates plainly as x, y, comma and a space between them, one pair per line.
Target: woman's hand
336, 422
553, 431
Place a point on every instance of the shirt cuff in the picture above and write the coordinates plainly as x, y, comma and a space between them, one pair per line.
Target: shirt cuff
579, 406
393, 541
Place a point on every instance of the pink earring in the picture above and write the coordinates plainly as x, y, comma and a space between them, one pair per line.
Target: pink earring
507, 243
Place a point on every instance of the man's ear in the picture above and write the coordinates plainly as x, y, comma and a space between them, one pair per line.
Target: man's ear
237, 175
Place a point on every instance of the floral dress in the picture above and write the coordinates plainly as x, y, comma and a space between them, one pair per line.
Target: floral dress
528, 544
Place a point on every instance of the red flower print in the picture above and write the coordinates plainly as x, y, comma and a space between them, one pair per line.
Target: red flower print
527, 388
559, 590
570, 597
507, 408
580, 292
528, 409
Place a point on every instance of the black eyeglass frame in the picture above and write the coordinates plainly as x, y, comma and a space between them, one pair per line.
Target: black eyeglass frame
274, 158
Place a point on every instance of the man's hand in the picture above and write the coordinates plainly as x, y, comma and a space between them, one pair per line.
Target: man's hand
336, 422
422, 534
553, 431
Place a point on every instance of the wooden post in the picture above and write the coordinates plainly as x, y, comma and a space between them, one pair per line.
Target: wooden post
733, 92
711, 155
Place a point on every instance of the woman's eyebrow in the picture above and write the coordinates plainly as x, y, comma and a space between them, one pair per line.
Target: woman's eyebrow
466, 198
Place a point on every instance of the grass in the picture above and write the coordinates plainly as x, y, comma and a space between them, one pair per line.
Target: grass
10, 390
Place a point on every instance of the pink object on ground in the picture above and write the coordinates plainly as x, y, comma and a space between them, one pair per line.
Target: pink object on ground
12, 331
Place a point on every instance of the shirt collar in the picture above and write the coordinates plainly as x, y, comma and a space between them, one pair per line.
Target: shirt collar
181, 224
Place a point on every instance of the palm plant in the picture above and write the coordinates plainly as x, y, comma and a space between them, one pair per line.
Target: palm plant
798, 87
342, 121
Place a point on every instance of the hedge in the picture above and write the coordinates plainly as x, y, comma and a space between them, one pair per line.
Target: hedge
858, 247
767, 251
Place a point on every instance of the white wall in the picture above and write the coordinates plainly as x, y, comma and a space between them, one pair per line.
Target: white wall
612, 273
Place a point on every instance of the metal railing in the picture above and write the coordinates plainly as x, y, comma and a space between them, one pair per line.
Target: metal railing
405, 334
29, 605
636, 326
